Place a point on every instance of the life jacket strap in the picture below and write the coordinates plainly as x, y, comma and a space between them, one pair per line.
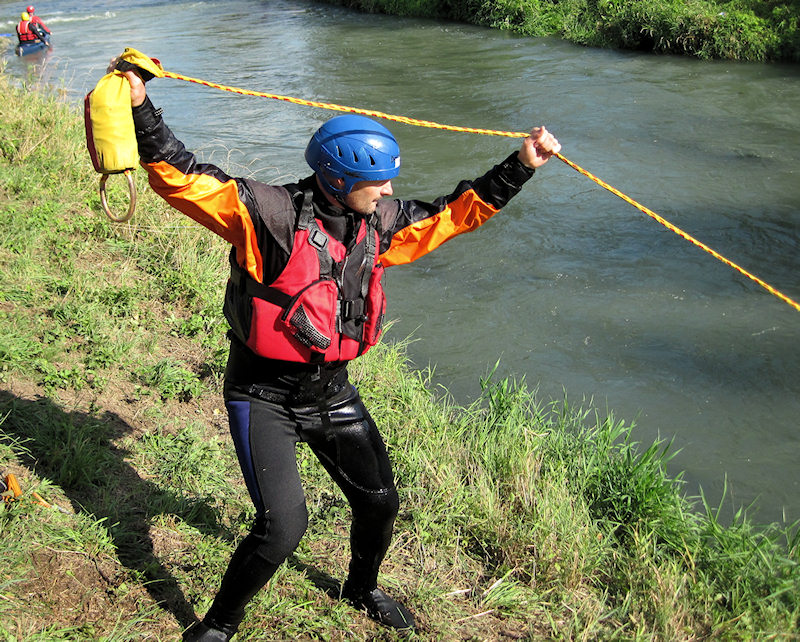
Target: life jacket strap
316, 237
240, 278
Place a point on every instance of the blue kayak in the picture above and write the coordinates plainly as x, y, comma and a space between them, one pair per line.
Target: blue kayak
26, 48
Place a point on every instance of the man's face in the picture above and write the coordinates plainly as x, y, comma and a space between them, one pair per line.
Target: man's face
364, 196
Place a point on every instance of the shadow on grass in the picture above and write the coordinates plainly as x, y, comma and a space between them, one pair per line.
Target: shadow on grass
321, 580
74, 450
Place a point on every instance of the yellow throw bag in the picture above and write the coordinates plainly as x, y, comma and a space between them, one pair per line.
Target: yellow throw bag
110, 134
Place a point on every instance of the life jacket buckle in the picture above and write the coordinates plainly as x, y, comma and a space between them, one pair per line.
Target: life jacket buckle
318, 238
352, 310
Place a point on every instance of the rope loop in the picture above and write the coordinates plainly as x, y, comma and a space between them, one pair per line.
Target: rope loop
131, 191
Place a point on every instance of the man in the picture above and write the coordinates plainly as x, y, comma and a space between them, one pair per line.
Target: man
36, 21
305, 296
26, 32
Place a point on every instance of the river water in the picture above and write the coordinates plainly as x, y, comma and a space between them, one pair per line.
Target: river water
570, 287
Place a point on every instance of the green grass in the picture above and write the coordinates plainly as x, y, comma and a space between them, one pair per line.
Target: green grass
754, 30
518, 517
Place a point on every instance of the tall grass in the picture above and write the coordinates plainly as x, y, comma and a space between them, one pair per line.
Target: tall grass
519, 518
754, 30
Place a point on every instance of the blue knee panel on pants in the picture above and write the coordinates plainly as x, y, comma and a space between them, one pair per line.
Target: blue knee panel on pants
239, 421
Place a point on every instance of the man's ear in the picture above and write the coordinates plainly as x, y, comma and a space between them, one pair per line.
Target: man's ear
336, 182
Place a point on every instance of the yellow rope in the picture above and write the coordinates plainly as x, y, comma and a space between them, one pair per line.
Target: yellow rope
492, 132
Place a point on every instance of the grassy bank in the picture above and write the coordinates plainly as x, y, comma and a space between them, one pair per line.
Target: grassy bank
519, 520
754, 30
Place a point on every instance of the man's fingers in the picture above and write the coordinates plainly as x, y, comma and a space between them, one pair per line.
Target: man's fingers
546, 142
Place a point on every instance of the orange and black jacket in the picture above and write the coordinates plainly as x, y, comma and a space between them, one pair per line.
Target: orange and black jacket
37, 22
260, 221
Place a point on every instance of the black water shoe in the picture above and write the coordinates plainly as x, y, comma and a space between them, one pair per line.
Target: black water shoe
200, 632
380, 607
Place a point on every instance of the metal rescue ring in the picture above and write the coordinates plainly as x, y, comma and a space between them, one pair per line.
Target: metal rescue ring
131, 190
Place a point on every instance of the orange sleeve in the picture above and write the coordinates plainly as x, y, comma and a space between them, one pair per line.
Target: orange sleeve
417, 239
212, 199
413, 228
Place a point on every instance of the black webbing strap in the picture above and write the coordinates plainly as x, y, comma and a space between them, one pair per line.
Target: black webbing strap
240, 277
316, 237
370, 248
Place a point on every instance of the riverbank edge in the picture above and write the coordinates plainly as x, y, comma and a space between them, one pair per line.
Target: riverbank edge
519, 518
748, 30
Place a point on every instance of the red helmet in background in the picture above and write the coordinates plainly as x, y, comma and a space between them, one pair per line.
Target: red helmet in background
30, 9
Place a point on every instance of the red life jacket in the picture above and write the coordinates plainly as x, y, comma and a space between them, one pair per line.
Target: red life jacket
326, 305
24, 32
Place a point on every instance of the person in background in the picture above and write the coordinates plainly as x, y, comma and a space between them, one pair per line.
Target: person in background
304, 298
36, 20
24, 32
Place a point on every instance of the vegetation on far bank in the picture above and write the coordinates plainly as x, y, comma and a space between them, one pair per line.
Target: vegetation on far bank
519, 519
753, 30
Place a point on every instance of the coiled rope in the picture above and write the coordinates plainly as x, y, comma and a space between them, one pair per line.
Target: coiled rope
491, 132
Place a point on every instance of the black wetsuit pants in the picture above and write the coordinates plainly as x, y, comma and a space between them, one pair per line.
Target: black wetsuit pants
267, 421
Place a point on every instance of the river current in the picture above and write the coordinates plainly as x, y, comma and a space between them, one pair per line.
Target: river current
569, 287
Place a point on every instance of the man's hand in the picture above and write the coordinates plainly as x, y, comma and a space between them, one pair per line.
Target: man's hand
138, 91
538, 147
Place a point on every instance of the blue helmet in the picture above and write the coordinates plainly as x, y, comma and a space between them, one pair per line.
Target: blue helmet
353, 148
